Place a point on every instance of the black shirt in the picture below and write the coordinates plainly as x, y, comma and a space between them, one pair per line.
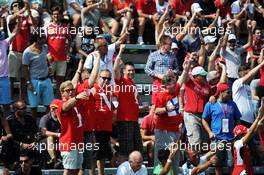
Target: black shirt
48, 122
35, 170
23, 133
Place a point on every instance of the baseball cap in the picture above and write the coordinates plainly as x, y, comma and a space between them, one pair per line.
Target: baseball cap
220, 88
220, 60
212, 75
199, 70
231, 37
174, 45
55, 103
239, 130
196, 7
209, 39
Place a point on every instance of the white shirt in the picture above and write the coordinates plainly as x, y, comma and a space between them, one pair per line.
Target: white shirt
233, 61
125, 169
237, 8
242, 97
161, 8
77, 2
105, 63
188, 171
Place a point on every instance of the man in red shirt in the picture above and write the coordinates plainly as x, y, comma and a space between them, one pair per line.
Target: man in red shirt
87, 109
197, 92
19, 44
70, 118
254, 50
127, 120
147, 127
146, 10
181, 8
105, 105
169, 118
57, 33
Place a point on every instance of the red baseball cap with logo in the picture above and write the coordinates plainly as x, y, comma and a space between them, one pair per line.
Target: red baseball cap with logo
239, 130
220, 88
55, 103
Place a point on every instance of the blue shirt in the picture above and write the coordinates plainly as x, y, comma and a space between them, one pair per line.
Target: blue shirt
215, 113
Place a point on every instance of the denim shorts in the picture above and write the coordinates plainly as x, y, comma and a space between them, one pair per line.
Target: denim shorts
5, 97
72, 160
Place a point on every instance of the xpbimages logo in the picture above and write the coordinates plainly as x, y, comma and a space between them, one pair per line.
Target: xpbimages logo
81, 147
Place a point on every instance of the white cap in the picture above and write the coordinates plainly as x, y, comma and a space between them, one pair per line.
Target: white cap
196, 7
174, 45
231, 37
211, 75
209, 39
199, 70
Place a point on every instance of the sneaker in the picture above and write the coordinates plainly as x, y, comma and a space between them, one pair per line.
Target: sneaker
140, 40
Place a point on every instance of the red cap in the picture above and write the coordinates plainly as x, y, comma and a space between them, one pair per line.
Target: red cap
55, 103
220, 60
220, 88
239, 130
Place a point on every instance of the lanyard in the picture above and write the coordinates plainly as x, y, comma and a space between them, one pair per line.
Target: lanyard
223, 110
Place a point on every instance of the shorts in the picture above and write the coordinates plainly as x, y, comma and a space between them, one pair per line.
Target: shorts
72, 160
103, 139
109, 20
129, 137
88, 155
196, 134
42, 92
59, 67
15, 64
5, 96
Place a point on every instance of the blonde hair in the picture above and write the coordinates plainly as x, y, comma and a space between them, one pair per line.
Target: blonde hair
65, 84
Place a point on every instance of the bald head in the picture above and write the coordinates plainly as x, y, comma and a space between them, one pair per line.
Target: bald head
135, 159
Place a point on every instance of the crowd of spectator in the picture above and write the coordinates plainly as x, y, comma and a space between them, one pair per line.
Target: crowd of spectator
207, 105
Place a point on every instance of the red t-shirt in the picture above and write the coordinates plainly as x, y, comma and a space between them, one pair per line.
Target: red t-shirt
56, 36
180, 8
149, 123
149, 8
241, 164
261, 81
103, 109
71, 127
20, 43
88, 109
121, 5
128, 99
164, 121
225, 9
196, 96
256, 46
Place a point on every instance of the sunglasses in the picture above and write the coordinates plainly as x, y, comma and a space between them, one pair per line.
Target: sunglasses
68, 90
15, 5
24, 161
106, 78
22, 109
103, 45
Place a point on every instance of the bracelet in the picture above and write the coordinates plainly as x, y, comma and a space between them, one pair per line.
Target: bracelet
79, 72
260, 7
169, 161
20, 144
76, 98
28, 82
166, 109
58, 134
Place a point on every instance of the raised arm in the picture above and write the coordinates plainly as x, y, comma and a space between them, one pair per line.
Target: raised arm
13, 35
203, 167
254, 126
117, 74
174, 147
223, 78
250, 75
95, 70
76, 78
184, 76
211, 63
182, 34
248, 44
